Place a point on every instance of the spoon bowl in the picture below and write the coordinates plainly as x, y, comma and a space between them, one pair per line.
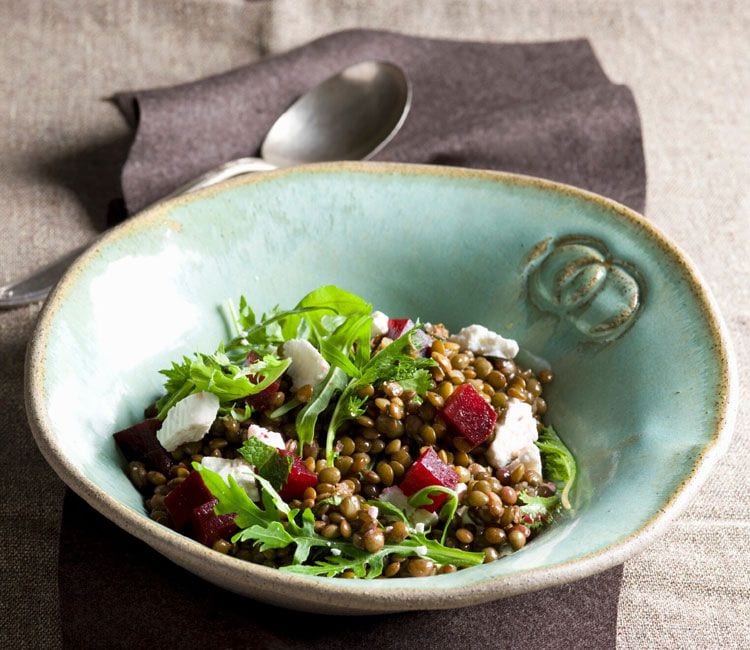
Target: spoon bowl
350, 116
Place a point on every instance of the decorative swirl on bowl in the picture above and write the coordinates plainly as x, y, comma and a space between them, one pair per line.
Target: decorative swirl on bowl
576, 278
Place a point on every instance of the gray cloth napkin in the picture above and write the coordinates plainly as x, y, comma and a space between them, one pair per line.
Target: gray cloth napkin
545, 109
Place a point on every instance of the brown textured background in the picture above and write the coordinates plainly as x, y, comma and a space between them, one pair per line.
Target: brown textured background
687, 65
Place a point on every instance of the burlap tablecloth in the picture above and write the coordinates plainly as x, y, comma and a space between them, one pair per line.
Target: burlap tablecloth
61, 144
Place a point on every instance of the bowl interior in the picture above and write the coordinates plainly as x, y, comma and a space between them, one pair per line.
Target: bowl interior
641, 373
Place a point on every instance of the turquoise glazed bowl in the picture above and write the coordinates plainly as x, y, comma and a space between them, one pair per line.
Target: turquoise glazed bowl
644, 393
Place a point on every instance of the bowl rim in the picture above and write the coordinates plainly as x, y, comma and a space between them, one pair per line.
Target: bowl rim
400, 595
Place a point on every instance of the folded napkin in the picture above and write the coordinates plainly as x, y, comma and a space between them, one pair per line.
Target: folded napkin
545, 109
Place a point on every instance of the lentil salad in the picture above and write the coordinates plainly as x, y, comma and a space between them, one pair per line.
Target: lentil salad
332, 440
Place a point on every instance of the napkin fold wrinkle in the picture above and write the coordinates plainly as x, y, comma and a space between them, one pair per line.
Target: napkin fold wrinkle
544, 109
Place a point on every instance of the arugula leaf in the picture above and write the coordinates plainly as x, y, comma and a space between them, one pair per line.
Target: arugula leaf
370, 565
276, 526
447, 512
285, 408
240, 415
558, 462
392, 363
329, 298
246, 318
267, 460
334, 382
390, 509
233, 499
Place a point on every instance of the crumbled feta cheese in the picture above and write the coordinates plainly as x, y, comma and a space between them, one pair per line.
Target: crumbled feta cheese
272, 438
308, 365
480, 340
421, 516
416, 516
463, 514
395, 496
336, 551
419, 528
420, 550
515, 437
188, 420
379, 324
238, 468
530, 457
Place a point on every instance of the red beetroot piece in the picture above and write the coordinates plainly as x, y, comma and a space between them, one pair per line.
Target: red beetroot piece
468, 415
300, 478
260, 401
181, 501
139, 443
428, 470
209, 527
397, 327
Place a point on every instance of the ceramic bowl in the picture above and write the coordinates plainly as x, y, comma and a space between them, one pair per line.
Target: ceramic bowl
644, 392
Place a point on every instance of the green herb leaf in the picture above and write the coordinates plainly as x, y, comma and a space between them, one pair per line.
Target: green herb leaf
333, 383
233, 499
266, 527
447, 512
558, 462
267, 460
316, 303
393, 363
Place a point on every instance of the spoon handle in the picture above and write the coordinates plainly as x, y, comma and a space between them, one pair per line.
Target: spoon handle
37, 286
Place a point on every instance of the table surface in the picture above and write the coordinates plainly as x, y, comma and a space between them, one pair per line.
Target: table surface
61, 145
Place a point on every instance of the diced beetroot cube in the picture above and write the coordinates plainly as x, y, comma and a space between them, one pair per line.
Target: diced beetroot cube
159, 460
468, 415
397, 327
181, 501
209, 527
139, 443
262, 401
300, 478
428, 470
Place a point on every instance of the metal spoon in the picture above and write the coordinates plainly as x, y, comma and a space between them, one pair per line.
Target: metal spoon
350, 116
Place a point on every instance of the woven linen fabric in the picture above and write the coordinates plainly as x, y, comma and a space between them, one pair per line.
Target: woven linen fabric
62, 147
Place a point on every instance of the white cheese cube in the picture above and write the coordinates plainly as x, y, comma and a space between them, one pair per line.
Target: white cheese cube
272, 438
417, 516
238, 468
308, 365
515, 437
188, 420
379, 324
487, 343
